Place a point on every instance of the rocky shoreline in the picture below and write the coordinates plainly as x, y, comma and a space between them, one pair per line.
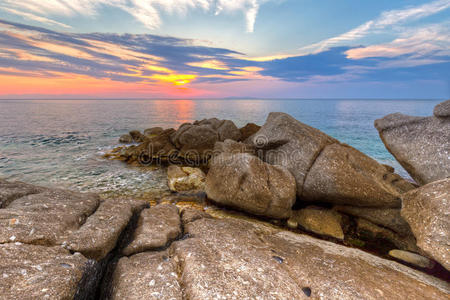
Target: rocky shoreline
278, 211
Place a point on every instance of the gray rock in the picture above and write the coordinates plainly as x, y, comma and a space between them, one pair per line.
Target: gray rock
227, 130
157, 227
153, 131
290, 143
125, 139
38, 272
442, 110
343, 175
420, 144
245, 182
149, 275
233, 147
195, 138
427, 210
412, 258
386, 217
236, 259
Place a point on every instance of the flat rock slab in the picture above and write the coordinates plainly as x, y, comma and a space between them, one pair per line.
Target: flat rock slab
39, 272
9, 191
157, 227
427, 210
236, 259
149, 275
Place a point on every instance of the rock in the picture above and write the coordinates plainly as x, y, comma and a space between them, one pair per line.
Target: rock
182, 179
125, 139
227, 130
100, 233
386, 217
154, 131
249, 130
245, 182
9, 191
45, 218
38, 272
233, 147
290, 143
191, 214
420, 144
343, 175
324, 169
195, 140
156, 228
149, 275
412, 258
442, 110
427, 211
320, 221
236, 259
137, 136
369, 231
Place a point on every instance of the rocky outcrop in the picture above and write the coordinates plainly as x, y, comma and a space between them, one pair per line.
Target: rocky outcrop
126, 139
245, 182
427, 210
137, 136
319, 221
184, 179
154, 131
385, 217
420, 144
9, 191
156, 228
326, 170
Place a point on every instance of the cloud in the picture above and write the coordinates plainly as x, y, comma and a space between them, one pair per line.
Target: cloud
147, 12
386, 19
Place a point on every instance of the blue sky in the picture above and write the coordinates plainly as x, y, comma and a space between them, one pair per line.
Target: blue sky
225, 48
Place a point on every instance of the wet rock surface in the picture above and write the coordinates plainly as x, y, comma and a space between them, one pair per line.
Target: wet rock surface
427, 210
420, 144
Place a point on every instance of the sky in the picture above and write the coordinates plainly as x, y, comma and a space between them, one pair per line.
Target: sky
224, 48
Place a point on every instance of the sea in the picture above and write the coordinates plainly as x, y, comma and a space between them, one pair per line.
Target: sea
61, 143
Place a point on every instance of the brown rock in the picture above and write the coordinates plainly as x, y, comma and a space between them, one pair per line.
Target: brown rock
151, 132
320, 221
191, 214
125, 139
156, 228
427, 210
233, 147
442, 110
137, 136
386, 217
195, 139
38, 272
343, 175
245, 182
227, 130
149, 275
182, 179
9, 191
249, 130
412, 258
421, 145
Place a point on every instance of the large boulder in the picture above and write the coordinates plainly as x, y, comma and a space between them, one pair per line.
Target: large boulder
420, 144
427, 210
324, 169
195, 139
248, 130
245, 182
9, 191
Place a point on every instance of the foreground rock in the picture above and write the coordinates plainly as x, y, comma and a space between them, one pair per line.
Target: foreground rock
326, 170
156, 228
38, 272
412, 258
245, 182
9, 191
420, 144
427, 210
183, 179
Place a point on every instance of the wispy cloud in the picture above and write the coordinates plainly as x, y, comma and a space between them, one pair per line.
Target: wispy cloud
385, 20
147, 12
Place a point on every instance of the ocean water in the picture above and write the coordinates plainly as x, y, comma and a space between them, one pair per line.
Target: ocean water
60, 143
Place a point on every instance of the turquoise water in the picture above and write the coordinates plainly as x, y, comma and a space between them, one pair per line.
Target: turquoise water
60, 142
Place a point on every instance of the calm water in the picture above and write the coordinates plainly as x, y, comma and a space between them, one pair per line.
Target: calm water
60, 142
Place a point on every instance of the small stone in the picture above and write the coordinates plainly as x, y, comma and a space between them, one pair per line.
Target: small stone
292, 223
307, 291
13, 238
412, 258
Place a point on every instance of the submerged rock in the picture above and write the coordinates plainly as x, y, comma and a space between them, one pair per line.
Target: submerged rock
156, 228
320, 221
420, 144
427, 210
183, 179
245, 182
